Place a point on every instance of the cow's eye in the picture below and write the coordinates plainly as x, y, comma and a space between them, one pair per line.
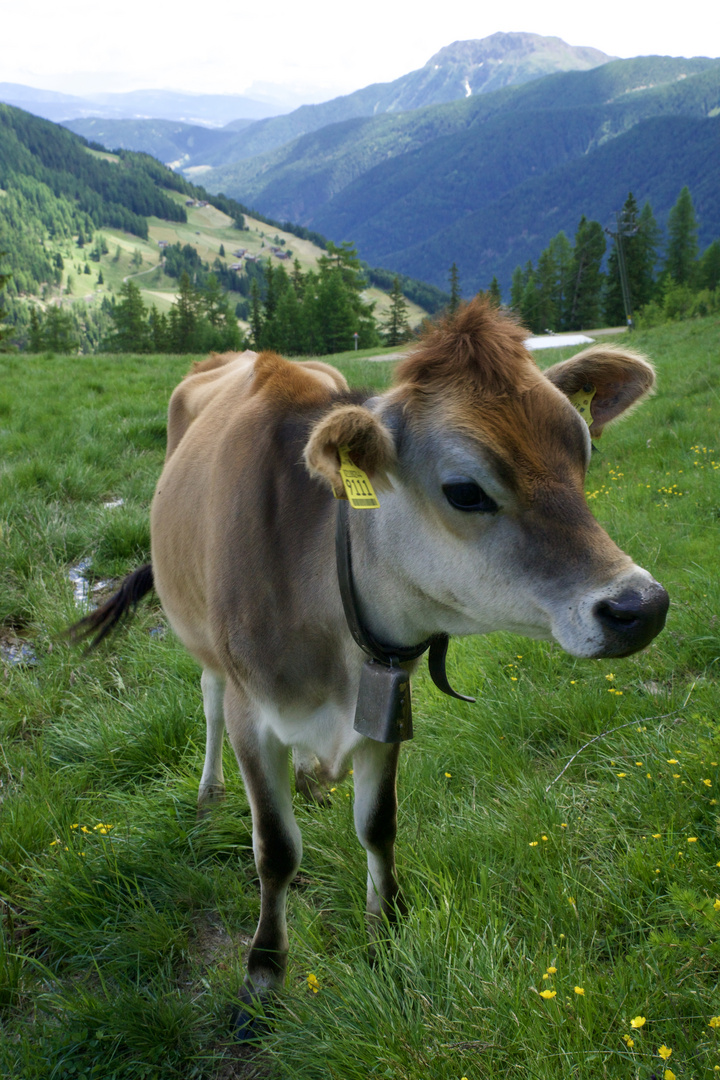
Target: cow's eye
468, 496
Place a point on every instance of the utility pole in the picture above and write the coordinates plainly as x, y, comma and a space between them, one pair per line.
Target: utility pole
625, 226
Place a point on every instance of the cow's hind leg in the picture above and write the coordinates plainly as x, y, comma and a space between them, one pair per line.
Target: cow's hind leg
374, 771
277, 844
212, 783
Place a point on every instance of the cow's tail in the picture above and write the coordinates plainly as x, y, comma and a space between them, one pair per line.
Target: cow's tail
101, 622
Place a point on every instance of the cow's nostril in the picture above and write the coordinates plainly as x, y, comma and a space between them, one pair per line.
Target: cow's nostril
632, 619
620, 614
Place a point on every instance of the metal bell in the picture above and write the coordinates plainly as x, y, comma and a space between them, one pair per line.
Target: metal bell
384, 709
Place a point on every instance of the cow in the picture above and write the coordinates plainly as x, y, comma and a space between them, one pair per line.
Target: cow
478, 460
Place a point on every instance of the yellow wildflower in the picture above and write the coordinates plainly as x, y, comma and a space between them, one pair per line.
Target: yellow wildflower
313, 983
546, 976
716, 905
563, 825
714, 1022
449, 775
669, 1075
621, 774
664, 1052
548, 994
579, 990
707, 783
629, 1042
543, 837
610, 676
533, 843
637, 1021
692, 839
672, 761
551, 970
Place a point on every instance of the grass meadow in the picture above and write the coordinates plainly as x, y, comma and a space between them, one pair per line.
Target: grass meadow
561, 923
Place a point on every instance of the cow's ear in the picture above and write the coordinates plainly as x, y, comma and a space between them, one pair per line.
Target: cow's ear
369, 442
620, 379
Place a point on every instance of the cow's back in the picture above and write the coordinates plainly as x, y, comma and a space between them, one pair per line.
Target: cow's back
236, 518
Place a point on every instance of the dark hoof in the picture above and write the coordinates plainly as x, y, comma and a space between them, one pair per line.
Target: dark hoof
251, 1018
209, 799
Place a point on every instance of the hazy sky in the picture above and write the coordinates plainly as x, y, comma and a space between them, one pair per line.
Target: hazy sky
320, 47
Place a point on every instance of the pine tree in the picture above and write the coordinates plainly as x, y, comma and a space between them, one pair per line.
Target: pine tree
494, 294
132, 331
397, 328
454, 290
586, 278
561, 251
338, 319
160, 330
4, 331
298, 279
546, 312
35, 336
709, 267
529, 305
682, 250
516, 290
222, 251
184, 317
58, 330
640, 249
256, 316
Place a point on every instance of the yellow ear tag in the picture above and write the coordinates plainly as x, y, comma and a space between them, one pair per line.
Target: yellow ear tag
358, 488
581, 400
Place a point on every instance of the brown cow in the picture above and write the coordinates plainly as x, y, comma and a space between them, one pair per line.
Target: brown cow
479, 460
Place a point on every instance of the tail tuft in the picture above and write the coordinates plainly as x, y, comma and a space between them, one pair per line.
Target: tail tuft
105, 619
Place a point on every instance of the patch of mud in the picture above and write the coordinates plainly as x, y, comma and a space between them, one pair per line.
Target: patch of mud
214, 946
16, 651
83, 591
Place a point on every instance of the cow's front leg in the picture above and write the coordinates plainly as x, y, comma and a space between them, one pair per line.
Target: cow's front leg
277, 843
375, 770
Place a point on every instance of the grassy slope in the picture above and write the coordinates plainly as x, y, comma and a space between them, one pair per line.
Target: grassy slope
207, 229
120, 948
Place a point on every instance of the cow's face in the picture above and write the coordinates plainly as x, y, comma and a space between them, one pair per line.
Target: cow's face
485, 526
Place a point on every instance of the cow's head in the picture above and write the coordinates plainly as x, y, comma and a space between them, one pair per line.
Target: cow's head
484, 525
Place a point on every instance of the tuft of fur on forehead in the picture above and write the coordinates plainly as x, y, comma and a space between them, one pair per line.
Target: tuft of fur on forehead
478, 348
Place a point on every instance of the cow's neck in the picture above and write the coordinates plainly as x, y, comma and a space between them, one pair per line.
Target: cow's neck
390, 602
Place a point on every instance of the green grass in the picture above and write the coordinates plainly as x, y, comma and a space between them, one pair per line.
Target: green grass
124, 920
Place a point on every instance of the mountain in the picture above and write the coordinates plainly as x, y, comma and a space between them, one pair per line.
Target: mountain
212, 109
393, 182
460, 70
515, 227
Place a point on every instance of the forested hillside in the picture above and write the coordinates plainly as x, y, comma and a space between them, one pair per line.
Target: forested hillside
104, 250
400, 184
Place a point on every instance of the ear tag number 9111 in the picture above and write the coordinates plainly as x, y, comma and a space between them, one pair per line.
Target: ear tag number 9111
358, 489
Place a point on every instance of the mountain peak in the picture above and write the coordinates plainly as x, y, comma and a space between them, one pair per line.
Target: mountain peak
523, 56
